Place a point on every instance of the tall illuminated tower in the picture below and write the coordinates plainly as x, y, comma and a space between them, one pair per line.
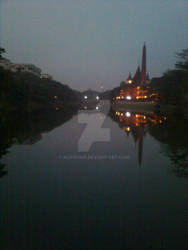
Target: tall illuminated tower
143, 72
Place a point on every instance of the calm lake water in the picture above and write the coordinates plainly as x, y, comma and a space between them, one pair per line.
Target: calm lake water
87, 180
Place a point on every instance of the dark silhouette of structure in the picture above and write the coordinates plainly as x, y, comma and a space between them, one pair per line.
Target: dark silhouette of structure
140, 77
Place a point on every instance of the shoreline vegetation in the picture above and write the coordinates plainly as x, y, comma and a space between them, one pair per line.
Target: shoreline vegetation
27, 92
28, 128
23, 93
30, 106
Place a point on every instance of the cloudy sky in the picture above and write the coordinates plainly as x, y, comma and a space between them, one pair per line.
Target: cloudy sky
86, 43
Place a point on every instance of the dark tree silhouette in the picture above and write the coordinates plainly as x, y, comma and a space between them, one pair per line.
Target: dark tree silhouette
183, 63
172, 87
2, 51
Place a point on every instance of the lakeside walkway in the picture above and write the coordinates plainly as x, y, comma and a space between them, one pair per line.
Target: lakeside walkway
144, 106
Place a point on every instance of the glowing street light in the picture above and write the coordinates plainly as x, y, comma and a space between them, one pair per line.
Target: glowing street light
128, 114
85, 97
97, 97
128, 97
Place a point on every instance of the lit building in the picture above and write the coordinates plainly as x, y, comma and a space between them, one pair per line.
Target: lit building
137, 88
46, 76
29, 68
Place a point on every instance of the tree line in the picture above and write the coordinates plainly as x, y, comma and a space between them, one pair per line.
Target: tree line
172, 86
21, 91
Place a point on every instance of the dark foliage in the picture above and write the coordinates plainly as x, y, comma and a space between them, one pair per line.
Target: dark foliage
174, 142
183, 57
172, 87
25, 92
2, 51
28, 128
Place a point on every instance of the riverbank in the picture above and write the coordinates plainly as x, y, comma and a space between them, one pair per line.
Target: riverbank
167, 109
133, 106
25, 92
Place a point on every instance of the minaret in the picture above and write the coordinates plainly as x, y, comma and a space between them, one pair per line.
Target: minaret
143, 73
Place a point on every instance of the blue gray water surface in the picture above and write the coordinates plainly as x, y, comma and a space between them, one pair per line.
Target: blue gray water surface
128, 192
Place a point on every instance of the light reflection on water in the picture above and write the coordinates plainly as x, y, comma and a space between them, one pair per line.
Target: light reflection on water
126, 193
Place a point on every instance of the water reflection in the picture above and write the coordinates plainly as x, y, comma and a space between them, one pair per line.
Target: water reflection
53, 198
2, 170
137, 124
174, 142
171, 131
90, 106
28, 129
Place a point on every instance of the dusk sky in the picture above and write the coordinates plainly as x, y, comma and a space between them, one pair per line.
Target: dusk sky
86, 43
